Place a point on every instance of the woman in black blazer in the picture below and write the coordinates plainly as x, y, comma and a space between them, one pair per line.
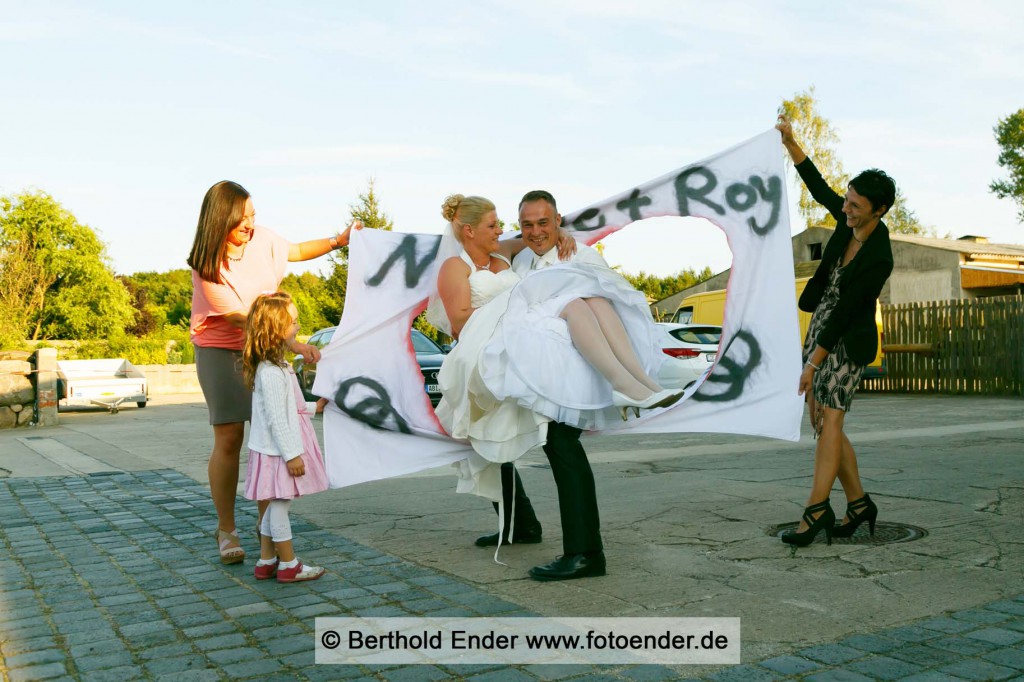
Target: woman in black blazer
843, 337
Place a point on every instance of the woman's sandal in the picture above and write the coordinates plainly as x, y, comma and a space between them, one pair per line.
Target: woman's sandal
230, 547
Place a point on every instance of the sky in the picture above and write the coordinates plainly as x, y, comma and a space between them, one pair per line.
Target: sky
126, 112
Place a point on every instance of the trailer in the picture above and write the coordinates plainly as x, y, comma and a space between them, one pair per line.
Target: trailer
104, 383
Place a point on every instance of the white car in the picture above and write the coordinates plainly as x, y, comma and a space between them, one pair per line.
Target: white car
691, 348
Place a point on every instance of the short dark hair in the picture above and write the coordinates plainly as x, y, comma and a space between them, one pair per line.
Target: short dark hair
876, 186
539, 195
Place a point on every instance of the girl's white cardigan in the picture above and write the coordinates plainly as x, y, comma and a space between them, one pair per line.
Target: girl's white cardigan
274, 429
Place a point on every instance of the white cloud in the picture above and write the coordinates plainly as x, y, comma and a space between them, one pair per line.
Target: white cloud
26, 31
74, 22
554, 83
582, 97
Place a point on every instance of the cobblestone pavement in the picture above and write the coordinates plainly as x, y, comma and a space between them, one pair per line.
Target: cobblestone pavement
114, 577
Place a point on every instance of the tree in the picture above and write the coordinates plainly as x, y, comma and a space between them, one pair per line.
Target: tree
1010, 137
902, 220
55, 278
169, 295
367, 210
309, 291
657, 288
818, 139
146, 314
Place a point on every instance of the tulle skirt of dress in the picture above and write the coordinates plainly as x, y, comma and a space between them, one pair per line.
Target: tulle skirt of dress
515, 367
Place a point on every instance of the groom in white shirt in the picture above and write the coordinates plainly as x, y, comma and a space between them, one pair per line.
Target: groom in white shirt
539, 222
577, 497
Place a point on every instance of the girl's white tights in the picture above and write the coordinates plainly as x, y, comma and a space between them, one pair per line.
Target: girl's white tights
276, 524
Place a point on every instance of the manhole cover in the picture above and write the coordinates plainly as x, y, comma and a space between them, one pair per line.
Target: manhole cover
885, 534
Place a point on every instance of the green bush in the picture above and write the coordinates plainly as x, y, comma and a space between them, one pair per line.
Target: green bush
180, 350
179, 353
11, 336
11, 340
146, 351
169, 346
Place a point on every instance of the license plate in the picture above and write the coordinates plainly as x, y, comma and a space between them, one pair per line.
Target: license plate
433, 388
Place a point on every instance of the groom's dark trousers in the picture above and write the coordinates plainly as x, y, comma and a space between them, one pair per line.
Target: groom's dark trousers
577, 496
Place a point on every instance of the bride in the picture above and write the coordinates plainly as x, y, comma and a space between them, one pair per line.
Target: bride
535, 348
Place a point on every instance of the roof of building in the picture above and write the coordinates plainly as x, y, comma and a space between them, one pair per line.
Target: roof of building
963, 245
973, 245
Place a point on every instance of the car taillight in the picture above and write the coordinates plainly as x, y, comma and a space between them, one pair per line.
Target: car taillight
681, 352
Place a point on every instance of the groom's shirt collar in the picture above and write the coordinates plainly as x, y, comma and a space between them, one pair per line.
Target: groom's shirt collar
549, 258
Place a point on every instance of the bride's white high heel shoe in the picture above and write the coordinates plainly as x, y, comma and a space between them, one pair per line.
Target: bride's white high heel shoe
672, 397
662, 398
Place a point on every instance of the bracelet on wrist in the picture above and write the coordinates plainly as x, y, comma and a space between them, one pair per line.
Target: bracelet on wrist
811, 364
333, 241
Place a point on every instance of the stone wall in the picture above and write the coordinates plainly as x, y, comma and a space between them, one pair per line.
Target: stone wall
17, 389
164, 379
28, 385
28, 388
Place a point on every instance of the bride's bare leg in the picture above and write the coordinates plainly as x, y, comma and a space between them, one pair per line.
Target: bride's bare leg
590, 341
618, 340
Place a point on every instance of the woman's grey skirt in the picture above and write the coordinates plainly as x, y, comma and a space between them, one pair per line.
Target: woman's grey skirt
220, 376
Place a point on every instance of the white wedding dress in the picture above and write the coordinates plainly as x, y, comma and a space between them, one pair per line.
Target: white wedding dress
515, 367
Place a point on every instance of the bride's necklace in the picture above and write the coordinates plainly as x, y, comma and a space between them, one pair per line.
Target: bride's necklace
485, 266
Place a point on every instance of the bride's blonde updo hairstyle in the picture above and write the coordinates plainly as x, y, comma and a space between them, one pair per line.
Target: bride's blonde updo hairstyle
462, 211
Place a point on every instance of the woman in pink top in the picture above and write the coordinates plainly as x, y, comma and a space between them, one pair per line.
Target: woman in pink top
233, 261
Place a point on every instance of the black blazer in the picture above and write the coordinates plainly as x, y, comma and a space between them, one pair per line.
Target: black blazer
853, 318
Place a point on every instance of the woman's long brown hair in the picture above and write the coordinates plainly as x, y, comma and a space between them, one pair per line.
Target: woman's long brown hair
223, 208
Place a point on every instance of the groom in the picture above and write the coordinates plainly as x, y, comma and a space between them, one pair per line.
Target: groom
577, 497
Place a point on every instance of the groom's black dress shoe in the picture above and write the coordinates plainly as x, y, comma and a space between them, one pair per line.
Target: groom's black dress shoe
527, 529
526, 537
571, 566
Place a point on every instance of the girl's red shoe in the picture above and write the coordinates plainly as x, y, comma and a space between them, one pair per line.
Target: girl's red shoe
267, 571
299, 573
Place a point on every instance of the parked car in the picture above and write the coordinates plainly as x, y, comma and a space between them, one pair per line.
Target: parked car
429, 355
708, 307
692, 348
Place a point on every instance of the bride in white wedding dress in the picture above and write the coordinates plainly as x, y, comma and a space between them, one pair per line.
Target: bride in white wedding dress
573, 343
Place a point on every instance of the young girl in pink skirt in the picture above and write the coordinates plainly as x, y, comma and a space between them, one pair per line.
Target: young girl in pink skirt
284, 456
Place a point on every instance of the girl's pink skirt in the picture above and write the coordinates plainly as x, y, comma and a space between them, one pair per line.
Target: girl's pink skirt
267, 477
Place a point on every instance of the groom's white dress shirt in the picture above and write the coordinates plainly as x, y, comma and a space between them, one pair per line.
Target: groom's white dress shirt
527, 260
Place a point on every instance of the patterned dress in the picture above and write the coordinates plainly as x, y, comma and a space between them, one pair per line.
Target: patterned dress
836, 382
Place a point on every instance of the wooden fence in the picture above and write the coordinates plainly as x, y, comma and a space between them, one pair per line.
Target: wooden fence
964, 346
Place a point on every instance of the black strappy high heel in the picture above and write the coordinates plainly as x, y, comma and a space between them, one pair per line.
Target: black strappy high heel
824, 522
858, 511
